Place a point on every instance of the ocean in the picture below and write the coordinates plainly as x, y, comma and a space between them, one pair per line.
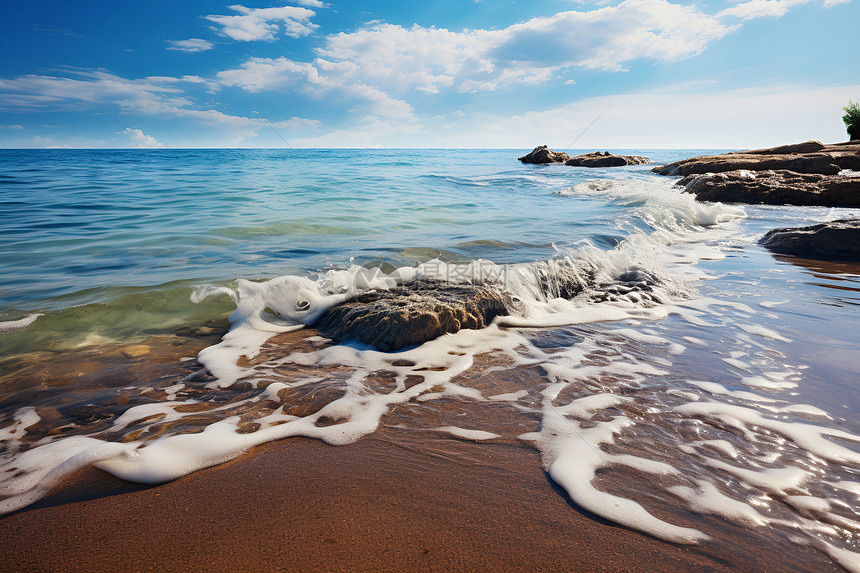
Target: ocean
155, 312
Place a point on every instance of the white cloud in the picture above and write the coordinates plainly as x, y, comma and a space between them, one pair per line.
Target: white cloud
139, 140
761, 9
258, 74
87, 87
14, 126
317, 3
768, 8
155, 95
190, 45
430, 59
265, 23
380, 64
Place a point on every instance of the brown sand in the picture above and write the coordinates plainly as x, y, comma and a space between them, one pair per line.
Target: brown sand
390, 502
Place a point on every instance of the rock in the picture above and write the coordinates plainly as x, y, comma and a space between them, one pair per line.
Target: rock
807, 157
775, 187
135, 350
605, 159
833, 241
542, 154
405, 316
805, 147
820, 163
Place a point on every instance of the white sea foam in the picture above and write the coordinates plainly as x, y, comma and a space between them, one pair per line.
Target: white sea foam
13, 325
466, 434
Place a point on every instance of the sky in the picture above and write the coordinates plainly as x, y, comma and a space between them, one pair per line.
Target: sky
630, 74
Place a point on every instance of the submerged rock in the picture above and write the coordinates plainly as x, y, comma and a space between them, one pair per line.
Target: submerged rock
833, 241
542, 154
775, 187
405, 316
605, 159
416, 312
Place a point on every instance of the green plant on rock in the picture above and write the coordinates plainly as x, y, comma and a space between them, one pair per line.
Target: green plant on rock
852, 119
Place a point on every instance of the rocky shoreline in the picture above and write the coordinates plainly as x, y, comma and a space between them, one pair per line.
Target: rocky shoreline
805, 174
808, 174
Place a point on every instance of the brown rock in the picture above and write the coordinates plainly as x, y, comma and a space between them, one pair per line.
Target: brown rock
605, 159
776, 187
805, 147
833, 241
542, 154
399, 317
820, 163
807, 157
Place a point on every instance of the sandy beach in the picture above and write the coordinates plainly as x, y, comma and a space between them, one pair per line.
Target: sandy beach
390, 502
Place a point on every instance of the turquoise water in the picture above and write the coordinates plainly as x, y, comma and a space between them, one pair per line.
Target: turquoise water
76, 220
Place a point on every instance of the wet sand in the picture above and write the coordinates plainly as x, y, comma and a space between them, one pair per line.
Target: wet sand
389, 502
379, 504
398, 499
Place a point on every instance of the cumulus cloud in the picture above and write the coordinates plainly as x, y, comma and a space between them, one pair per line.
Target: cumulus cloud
139, 140
265, 23
382, 62
259, 74
190, 45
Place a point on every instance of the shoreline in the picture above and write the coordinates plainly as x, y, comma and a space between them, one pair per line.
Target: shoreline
387, 502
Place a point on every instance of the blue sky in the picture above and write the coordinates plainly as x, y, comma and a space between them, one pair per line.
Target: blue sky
444, 73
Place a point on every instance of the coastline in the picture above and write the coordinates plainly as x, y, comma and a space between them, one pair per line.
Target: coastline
389, 502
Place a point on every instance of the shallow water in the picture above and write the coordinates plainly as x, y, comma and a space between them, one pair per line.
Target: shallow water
718, 397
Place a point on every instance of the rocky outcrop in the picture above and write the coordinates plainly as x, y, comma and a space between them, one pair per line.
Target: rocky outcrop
775, 187
405, 316
806, 174
833, 241
811, 163
542, 154
605, 159
805, 147
807, 157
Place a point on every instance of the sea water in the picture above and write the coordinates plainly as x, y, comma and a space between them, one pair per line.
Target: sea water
696, 375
